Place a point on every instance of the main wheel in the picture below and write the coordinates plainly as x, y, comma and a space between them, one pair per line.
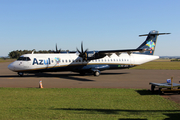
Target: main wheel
20, 74
96, 73
160, 92
152, 88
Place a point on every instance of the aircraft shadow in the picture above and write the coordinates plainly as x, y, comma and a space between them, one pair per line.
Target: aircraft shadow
65, 76
47, 75
114, 73
38, 75
72, 76
156, 92
131, 119
145, 92
172, 116
111, 111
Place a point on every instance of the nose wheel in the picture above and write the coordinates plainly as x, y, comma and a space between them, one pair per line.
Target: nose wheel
20, 74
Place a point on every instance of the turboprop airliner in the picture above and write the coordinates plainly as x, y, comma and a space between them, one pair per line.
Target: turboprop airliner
88, 61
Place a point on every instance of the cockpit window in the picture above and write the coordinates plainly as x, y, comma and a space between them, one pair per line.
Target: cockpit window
23, 59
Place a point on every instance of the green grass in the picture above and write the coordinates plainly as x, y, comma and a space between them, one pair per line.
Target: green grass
84, 103
160, 65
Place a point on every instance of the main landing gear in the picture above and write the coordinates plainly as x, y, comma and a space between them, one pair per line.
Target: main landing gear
20, 74
82, 73
96, 73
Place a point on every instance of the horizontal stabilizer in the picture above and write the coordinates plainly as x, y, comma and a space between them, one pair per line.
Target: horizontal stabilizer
155, 34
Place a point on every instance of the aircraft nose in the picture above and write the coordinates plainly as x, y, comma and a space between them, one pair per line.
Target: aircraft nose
11, 67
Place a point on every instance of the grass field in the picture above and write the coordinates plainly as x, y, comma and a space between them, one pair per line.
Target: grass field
160, 65
82, 103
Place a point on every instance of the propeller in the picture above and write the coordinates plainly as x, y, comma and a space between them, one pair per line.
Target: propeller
82, 54
57, 51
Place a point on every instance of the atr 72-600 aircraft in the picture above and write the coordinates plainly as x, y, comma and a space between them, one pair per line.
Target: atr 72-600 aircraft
88, 61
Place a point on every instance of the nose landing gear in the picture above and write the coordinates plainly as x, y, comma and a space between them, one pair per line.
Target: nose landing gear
20, 74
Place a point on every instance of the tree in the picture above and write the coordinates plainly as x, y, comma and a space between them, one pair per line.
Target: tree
16, 54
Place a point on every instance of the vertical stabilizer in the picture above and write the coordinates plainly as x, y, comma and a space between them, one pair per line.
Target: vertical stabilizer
149, 44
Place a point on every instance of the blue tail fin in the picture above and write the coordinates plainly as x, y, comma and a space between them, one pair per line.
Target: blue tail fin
149, 44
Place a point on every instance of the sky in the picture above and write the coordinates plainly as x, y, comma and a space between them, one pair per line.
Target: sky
100, 24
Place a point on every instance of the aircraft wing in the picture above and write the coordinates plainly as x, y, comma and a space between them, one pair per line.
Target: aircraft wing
120, 51
129, 51
100, 54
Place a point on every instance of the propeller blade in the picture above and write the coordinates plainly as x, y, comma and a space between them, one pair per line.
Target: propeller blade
82, 47
78, 50
82, 53
86, 50
56, 48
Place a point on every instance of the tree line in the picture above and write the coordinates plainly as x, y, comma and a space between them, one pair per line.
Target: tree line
17, 53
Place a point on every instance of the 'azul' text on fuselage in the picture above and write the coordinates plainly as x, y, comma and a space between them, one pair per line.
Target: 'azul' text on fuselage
41, 61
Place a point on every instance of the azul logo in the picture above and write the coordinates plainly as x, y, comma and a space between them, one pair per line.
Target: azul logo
41, 61
57, 60
150, 44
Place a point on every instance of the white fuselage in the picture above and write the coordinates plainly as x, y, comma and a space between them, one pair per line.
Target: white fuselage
60, 62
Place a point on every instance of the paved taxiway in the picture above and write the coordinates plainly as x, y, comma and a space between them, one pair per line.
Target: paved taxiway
124, 78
